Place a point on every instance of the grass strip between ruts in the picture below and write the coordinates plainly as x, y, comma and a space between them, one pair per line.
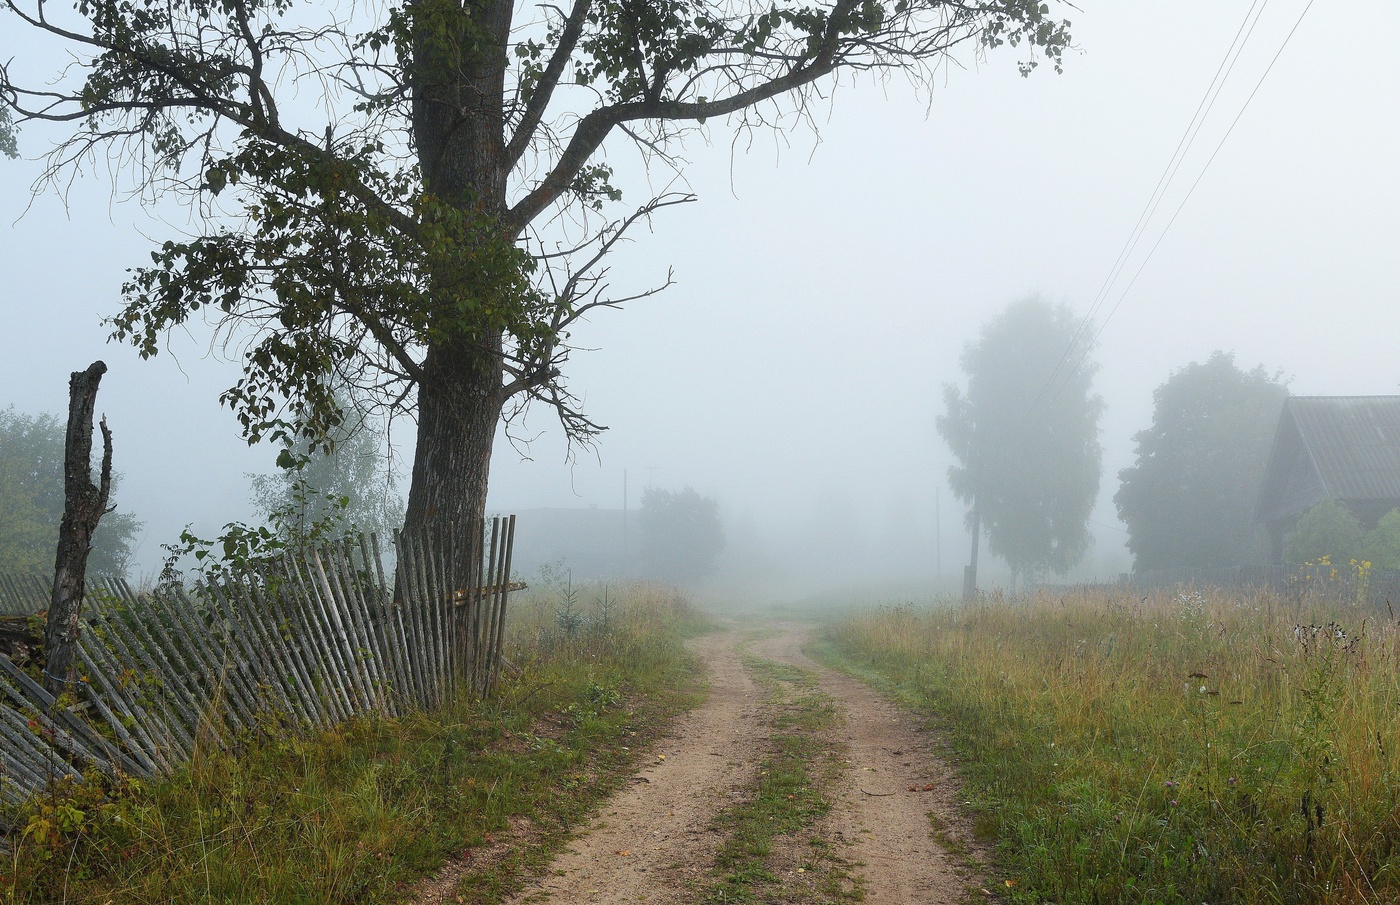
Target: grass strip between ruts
786, 803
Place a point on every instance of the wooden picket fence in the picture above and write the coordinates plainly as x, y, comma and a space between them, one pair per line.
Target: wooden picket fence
315, 640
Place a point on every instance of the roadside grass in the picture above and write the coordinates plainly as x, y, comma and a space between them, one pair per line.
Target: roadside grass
361, 812
1182, 748
784, 808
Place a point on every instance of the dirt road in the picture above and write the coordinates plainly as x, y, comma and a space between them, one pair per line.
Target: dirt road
893, 821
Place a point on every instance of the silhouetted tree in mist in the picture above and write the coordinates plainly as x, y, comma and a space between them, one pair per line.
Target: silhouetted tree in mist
342, 482
1026, 436
1189, 500
681, 535
32, 496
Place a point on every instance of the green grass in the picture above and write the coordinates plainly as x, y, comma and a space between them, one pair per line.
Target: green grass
362, 812
1180, 749
788, 799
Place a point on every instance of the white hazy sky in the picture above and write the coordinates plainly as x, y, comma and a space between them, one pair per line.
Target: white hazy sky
825, 287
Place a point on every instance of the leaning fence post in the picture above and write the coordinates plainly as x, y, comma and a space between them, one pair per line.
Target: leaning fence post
498, 650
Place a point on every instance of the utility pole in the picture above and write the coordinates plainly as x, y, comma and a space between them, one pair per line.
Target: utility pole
624, 523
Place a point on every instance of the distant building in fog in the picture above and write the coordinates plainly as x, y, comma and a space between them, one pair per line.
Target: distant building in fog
590, 543
1344, 448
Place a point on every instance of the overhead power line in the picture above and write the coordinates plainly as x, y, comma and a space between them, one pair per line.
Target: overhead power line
1213, 155
1087, 347
1183, 145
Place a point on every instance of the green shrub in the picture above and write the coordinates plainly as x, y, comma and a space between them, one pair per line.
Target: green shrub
1326, 530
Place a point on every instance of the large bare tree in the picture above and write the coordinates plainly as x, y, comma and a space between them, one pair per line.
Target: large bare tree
413, 198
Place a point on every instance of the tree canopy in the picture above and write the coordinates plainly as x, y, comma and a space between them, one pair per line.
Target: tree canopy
412, 198
1329, 531
1382, 546
1190, 497
31, 501
681, 535
1026, 436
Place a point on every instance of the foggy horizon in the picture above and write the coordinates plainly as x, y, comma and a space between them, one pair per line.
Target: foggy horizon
827, 284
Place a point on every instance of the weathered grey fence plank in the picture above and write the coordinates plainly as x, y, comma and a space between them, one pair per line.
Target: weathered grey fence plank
128, 714
134, 669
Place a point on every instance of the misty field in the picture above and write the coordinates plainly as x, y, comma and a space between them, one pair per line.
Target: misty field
1196, 747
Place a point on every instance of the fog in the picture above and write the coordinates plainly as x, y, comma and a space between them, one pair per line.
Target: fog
827, 281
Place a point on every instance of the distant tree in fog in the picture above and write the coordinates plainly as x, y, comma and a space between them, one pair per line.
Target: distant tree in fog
344, 485
1189, 500
1330, 530
681, 535
1382, 547
1026, 436
31, 501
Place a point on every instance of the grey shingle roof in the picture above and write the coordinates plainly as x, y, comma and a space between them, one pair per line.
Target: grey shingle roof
1354, 443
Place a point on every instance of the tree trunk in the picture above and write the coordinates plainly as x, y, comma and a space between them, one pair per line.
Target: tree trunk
83, 506
459, 407
970, 573
458, 123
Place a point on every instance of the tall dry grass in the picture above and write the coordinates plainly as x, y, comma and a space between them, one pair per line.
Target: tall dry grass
1189, 747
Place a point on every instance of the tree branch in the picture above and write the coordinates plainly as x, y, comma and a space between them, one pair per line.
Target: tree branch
549, 80
595, 126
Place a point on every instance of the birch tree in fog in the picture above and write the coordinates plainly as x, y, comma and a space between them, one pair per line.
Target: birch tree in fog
1025, 432
344, 483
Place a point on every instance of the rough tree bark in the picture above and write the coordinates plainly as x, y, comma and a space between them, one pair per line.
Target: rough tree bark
459, 407
458, 124
83, 507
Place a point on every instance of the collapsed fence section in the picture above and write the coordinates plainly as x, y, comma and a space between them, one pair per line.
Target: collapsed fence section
23, 594
306, 642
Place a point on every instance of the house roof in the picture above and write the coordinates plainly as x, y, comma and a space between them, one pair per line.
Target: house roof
1351, 445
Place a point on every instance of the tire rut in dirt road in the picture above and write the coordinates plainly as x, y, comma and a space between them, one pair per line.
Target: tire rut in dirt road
655, 841
881, 809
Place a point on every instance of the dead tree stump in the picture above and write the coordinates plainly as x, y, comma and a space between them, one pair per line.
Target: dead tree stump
83, 506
